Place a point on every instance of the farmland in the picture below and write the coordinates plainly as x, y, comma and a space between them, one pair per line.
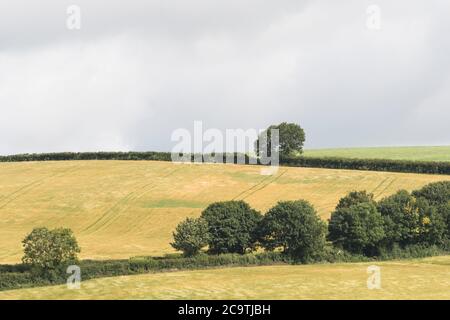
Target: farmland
438, 153
119, 209
412, 279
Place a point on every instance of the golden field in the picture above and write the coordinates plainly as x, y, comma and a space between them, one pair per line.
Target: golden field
412, 279
119, 209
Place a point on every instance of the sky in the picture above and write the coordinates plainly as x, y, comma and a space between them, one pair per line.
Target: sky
351, 73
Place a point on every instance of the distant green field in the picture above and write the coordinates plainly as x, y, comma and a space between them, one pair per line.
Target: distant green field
410, 279
439, 153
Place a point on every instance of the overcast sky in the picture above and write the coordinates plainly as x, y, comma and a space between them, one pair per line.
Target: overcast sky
138, 70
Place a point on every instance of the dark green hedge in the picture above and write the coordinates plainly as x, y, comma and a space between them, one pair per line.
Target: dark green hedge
16, 280
21, 276
150, 155
430, 167
162, 156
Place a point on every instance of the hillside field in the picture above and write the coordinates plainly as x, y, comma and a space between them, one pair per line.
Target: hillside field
438, 153
413, 279
119, 209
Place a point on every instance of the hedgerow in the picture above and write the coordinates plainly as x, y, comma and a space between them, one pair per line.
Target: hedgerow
428, 167
21, 276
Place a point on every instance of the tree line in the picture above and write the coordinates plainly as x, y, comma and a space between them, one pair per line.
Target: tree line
359, 225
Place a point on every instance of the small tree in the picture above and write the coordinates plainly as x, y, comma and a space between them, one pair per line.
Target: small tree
433, 227
444, 211
190, 236
295, 227
232, 226
437, 193
49, 249
291, 139
410, 220
357, 229
355, 197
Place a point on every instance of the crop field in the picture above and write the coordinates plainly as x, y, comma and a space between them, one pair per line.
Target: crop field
119, 209
413, 279
439, 153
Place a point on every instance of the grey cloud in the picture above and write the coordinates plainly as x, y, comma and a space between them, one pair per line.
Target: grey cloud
138, 70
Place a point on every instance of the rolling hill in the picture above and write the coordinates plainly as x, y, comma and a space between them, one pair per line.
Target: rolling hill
119, 209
